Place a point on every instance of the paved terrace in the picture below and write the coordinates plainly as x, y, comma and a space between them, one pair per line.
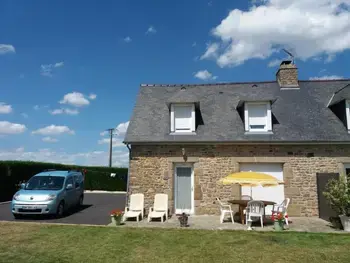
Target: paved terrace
300, 224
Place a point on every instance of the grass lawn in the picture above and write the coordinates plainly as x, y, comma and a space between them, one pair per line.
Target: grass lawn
34, 243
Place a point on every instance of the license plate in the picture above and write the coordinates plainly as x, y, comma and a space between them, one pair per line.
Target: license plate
30, 207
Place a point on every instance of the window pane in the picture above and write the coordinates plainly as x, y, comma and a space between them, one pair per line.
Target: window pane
257, 127
257, 114
70, 180
183, 117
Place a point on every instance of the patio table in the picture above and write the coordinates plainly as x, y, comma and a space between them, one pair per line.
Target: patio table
243, 204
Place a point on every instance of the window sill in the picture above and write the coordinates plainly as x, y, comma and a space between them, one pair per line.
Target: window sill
182, 133
258, 132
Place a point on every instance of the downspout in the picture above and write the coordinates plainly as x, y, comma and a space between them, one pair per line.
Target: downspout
127, 179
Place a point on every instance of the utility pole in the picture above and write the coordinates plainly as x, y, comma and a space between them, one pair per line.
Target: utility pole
110, 145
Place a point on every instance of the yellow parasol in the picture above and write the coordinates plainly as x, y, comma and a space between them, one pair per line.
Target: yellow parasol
251, 179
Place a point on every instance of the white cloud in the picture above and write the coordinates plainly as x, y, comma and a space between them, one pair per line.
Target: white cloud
194, 44
127, 39
53, 130
11, 128
38, 107
115, 142
5, 108
92, 158
4, 49
119, 134
104, 133
330, 58
92, 96
308, 28
47, 69
121, 128
151, 30
71, 111
24, 115
64, 111
76, 99
59, 64
49, 139
56, 112
326, 77
274, 63
211, 51
204, 75
210, 3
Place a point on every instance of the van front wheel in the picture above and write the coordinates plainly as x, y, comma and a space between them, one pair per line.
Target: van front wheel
17, 216
60, 209
81, 200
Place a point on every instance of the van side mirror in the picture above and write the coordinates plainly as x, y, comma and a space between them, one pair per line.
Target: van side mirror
69, 186
23, 185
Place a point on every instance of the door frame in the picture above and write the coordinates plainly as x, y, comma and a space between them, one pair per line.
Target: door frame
190, 165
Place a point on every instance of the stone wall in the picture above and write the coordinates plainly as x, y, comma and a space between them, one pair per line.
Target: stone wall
152, 171
287, 75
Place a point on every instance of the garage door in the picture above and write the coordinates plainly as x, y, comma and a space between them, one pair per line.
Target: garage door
276, 193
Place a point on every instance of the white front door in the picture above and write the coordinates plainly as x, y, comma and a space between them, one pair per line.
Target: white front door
183, 188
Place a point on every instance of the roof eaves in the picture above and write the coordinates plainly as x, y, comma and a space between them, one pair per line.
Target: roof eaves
311, 142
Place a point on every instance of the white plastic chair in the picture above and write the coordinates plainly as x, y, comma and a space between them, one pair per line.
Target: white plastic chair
136, 206
255, 209
246, 197
282, 208
160, 207
225, 209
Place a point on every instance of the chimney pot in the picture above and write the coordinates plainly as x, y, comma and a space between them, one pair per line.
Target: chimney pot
287, 75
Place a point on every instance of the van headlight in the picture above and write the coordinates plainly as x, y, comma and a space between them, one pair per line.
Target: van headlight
16, 197
50, 197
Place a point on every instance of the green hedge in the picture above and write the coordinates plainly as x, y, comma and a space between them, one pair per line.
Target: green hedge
12, 173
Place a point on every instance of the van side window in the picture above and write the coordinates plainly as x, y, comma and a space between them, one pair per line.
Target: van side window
69, 181
77, 182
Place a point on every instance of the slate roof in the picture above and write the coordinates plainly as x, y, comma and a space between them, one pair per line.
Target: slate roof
341, 94
301, 115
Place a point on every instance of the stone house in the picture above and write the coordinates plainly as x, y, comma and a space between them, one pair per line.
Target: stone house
184, 138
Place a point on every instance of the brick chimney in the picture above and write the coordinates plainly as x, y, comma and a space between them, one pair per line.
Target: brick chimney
287, 75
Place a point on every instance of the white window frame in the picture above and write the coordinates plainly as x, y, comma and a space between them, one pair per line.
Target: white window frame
192, 128
347, 111
268, 124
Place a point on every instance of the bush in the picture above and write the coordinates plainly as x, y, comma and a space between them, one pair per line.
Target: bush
12, 173
338, 195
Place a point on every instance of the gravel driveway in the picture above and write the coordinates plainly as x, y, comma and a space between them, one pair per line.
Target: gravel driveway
95, 210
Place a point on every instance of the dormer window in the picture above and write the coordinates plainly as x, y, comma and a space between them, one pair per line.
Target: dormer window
182, 118
257, 117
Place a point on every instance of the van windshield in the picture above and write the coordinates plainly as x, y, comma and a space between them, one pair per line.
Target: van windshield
45, 183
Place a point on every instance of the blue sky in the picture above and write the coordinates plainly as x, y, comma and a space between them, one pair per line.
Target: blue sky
70, 69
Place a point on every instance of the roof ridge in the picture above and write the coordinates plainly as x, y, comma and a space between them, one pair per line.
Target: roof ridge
324, 80
203, 84
232, 83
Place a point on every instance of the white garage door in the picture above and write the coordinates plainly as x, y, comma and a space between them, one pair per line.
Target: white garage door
275, 193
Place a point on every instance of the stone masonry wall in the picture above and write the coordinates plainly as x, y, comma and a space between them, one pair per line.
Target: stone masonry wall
152, 171
287, 76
